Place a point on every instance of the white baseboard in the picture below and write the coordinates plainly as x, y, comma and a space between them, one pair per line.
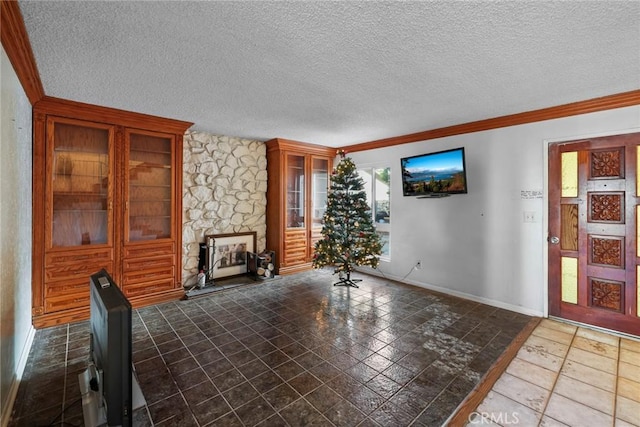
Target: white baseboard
463, 295
15, 383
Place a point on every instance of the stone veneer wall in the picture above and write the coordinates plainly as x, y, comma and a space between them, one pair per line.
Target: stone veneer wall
224, 191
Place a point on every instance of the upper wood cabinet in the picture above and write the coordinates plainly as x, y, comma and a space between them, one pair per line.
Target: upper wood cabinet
107, 194
298, 183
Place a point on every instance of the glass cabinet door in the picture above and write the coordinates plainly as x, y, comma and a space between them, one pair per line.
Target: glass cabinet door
80, 183
149, 203
295, 191
320, 188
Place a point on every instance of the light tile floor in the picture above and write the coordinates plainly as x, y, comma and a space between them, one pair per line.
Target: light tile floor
566, 375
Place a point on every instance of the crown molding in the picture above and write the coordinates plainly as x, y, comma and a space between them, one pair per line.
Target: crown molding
15, 42
97, 113
291, 145
625, 99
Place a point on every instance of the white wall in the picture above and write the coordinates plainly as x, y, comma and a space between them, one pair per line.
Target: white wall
477, 245
16, 332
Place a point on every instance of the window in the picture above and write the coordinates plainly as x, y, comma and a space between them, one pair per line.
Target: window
377, 184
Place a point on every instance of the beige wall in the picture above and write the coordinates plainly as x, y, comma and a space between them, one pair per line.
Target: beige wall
16, 332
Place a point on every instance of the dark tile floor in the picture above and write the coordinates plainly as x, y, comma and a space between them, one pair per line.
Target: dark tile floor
294, 351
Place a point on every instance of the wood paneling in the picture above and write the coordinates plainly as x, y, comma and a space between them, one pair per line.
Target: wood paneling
569, 227
147, 268
149, 287
293, 245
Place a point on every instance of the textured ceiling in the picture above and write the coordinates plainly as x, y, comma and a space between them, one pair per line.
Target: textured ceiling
333, 73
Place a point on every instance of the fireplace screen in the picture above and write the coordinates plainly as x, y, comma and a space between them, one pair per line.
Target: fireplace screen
227, 254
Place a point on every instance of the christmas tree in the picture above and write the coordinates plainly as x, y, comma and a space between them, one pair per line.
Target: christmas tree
349, 236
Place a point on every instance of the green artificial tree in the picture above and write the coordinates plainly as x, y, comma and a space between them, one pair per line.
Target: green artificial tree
349, 236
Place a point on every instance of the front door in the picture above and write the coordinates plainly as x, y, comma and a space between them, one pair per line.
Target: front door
594, 253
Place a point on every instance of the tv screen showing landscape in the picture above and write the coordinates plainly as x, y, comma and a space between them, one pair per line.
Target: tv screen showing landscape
442, 172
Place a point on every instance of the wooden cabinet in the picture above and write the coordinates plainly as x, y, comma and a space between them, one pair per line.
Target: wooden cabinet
107, 194
298, 183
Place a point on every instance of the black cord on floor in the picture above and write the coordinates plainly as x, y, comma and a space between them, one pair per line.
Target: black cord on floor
53, 421
404, 277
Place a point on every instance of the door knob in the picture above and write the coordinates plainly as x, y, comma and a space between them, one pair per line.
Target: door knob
554, 240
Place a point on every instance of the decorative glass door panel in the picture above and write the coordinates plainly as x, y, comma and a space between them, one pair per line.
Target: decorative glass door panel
319, 190
79, 184
295, 206
150, 177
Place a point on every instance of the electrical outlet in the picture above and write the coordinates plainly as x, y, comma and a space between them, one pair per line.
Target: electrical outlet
418, 265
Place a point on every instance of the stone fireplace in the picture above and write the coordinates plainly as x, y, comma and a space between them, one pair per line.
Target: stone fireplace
224, 191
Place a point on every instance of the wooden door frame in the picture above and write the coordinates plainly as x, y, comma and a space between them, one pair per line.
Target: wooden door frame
546, 143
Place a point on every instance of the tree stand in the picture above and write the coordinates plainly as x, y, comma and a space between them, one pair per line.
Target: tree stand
347, 281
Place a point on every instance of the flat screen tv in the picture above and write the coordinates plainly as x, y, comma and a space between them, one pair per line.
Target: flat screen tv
110, 324
434, 174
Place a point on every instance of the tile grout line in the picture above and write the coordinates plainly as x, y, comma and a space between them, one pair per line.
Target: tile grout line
133, 364
581, 381
247, 380
553, 387
64, 382
584, 404
615, 387
617, 359
542, 412
260, 394
271, 369
197, 327
179, 337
